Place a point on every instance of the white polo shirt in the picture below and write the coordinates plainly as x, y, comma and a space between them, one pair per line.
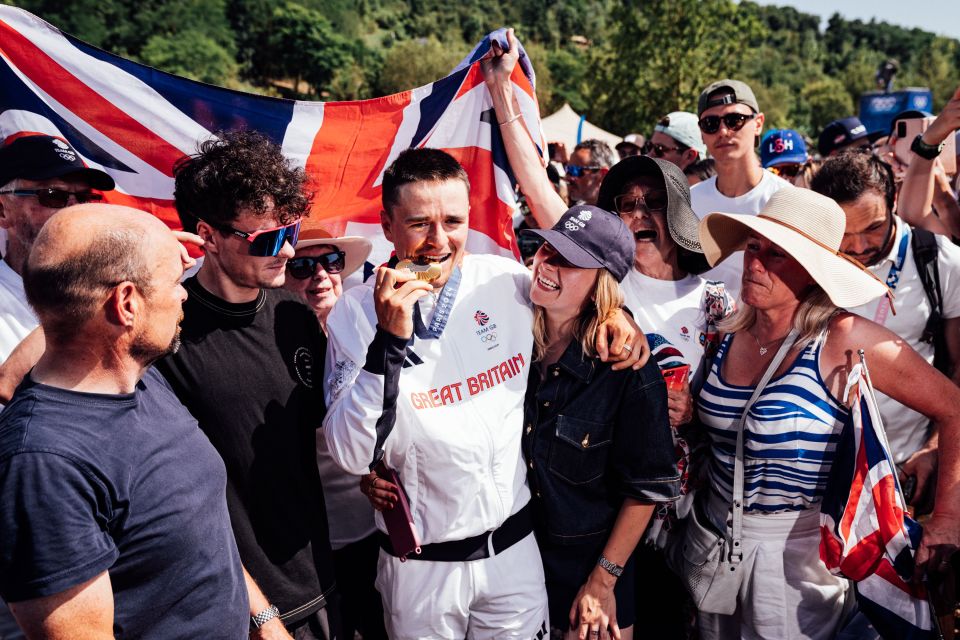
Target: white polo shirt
16, 317
459, 410
907, 430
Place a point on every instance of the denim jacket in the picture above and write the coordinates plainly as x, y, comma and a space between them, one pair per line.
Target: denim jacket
592, 437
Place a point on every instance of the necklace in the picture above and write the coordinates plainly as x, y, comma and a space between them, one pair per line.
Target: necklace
764, 347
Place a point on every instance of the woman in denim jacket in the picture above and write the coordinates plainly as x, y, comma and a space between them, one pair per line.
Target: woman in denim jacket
597, 442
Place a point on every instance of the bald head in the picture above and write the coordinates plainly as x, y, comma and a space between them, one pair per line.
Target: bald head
83, 251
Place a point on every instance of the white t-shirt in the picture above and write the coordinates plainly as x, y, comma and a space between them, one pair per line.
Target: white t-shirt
16, 316
704, 198
906, 429
673, 315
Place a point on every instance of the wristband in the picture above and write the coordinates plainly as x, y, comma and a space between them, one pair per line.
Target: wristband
509, 120
924, 150
263, 617
613, 569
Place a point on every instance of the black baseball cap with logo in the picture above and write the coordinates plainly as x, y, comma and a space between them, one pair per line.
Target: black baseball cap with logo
840, 133
42, 157
591, 238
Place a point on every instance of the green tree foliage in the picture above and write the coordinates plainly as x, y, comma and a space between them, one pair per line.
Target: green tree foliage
301, 45
192, 54
697, 41
623, 63
414, 63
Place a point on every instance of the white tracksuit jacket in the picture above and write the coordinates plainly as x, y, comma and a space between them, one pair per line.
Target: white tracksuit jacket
459, 406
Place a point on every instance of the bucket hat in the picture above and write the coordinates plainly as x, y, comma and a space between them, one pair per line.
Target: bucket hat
681, 220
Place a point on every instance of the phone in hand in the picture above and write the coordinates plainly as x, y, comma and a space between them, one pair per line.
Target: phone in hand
907, 130
676, 377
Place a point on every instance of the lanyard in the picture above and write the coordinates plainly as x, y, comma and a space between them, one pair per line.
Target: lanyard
442, 311
893, 277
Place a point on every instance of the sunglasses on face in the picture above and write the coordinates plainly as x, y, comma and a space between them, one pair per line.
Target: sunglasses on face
56, 198
266, 243
304, 267
733, 122
575, 170
787, 170
551, 255
655, 201
658, 150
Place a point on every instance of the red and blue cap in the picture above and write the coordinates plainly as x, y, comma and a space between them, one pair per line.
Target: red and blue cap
782, 146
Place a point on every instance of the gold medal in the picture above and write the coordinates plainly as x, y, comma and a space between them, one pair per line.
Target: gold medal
425, 272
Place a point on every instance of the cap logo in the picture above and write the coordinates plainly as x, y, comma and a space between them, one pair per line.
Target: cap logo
63, 150
840, 138
858, 130
780, 145
585, 215
571, 225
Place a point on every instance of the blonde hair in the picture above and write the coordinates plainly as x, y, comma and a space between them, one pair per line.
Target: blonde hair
603, 301
810, 320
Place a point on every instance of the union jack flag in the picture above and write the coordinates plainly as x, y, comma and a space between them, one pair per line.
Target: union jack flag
134, 122
865, 533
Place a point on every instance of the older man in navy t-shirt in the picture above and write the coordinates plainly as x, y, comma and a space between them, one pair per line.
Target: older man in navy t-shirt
112, 502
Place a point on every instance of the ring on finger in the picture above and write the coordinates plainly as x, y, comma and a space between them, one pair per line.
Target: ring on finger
628, 349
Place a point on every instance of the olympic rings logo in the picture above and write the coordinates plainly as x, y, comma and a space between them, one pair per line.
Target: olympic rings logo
490, 337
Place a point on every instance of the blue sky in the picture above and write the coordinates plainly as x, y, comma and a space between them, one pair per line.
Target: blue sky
941, 16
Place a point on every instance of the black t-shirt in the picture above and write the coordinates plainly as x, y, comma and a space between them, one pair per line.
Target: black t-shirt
126, 484
251, 375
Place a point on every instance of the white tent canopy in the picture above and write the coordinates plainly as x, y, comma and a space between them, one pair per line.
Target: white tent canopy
562, 127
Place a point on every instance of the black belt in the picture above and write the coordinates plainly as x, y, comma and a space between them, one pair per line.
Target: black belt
516, 528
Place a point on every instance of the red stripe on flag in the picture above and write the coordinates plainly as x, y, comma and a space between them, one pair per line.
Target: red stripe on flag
856, 490
86, 103
488, 213
349, 153
862, 559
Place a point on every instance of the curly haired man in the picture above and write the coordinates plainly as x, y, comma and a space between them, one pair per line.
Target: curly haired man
246, 372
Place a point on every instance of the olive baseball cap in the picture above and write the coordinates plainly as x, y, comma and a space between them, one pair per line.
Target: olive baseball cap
736, 92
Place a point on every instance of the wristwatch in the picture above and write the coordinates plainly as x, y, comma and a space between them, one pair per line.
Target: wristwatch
924, 150
263, 617
611, 568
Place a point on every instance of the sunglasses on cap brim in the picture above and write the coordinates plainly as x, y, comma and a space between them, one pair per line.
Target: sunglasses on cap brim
265, 243
304, 267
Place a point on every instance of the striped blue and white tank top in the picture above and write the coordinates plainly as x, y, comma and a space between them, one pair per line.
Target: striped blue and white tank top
790, 435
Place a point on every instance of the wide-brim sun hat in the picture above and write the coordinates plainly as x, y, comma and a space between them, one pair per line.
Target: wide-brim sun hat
682, 222
356, 248
807, 226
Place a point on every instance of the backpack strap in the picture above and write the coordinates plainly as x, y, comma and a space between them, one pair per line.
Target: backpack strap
925, 254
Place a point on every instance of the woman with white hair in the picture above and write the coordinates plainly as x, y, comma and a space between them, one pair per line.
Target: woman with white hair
795, 283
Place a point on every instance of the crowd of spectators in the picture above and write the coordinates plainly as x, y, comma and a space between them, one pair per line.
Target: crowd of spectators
462, 445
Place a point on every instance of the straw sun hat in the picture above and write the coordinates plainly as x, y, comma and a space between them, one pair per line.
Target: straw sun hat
807, 226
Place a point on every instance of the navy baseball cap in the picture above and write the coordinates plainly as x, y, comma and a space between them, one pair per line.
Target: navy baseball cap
43, 157
590, 238
782, 146
840, 133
